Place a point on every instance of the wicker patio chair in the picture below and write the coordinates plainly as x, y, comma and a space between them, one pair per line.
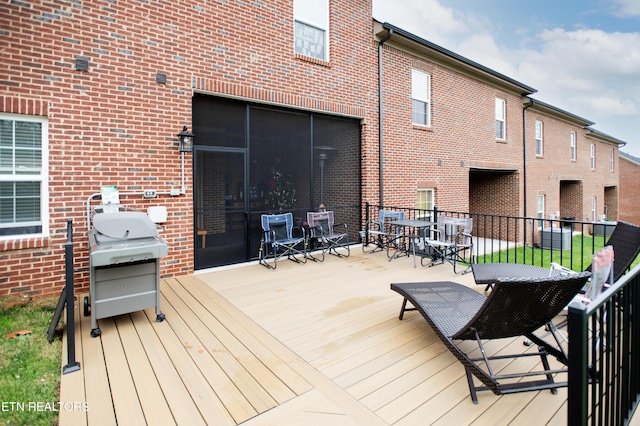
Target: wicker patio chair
280, 238
329, 235
517, 307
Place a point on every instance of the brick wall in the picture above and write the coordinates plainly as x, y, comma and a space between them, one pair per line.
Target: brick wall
568, 185
629, 196
461, 135
115, 125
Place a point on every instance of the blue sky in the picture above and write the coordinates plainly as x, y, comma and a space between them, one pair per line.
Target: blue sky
581, 56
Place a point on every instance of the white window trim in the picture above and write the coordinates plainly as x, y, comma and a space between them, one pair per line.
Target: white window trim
312, 23
433, 200
572, 144
612, 161
501, 116
538, 137
593, 156
541, 206
420, 93
43, 177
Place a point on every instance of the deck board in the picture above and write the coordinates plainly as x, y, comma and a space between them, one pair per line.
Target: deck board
312, 344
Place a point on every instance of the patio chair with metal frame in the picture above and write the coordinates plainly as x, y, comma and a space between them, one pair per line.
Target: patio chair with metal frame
278, 240
329, 235
452, 243
384, 235
515, 307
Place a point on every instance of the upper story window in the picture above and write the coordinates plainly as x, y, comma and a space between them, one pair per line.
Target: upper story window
23, 176
612, 164
572, 144
538, 137
420, 97
500, 119
593, 156
312, 28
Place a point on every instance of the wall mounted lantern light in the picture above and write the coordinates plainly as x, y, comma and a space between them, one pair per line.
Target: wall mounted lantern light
185, 144
186, 140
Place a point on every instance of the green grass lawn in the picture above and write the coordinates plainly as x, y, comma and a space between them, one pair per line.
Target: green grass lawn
29, 364
577, 257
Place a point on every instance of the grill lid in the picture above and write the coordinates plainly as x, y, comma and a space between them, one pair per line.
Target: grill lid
124, 225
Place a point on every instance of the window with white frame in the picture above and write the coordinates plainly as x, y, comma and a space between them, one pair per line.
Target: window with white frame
612, 163
541, 206
420, 97
425, 202
312, 28
593, 156
500, 119
23, 176
572, 144
538, 137
594, 205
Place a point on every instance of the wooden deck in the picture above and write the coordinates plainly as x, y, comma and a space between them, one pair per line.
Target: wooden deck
309, 344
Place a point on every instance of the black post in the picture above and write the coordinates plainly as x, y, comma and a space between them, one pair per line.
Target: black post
72, 364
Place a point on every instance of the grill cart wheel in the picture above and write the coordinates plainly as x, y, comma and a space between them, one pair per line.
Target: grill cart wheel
96, 332
87, 306
160, 317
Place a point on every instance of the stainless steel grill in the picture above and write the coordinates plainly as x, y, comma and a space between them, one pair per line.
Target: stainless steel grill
124, 264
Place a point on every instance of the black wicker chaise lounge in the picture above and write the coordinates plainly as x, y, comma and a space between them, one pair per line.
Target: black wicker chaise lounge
517, 307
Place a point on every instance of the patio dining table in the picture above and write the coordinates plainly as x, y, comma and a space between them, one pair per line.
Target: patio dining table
418, 226
489, 273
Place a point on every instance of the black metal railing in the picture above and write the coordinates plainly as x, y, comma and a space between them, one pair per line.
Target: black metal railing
604, 355
517, 239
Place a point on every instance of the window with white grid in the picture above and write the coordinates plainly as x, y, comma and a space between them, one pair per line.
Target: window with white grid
311, 32
538, 137
500, 119
572, 145
23, 176
420, 98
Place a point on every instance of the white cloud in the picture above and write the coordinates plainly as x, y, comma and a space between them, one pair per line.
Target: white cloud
587, 70
625, 8
427, 19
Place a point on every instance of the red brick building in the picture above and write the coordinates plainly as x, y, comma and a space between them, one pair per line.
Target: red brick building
571, 168
629, 200
283, 98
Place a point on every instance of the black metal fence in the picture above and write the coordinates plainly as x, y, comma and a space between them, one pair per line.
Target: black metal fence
517, 239
604, 348
604, 355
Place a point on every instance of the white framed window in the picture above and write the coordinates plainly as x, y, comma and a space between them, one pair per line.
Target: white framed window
425, 202
538, 137
500, 119
541, 206
594, 205
420, 98
311, 28
572, 145
593, 156
612, 160
23, 176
